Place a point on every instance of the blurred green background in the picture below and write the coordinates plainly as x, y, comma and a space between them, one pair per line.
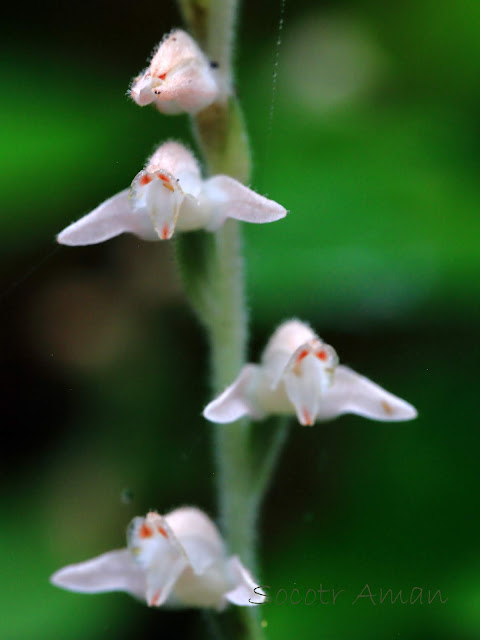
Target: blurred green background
373, 145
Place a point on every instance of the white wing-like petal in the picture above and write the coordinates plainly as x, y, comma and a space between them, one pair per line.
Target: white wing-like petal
243, 593
234, 402
112, 571
110, 219
231, 199
354, 393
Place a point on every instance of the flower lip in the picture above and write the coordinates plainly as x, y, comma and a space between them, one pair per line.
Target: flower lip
307, 377
159, 193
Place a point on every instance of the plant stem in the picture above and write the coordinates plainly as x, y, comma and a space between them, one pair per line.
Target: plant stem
212, 266
218, 293
268, 459
212, 22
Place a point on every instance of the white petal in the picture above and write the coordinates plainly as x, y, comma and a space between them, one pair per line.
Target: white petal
198, 536
176, 47
205, 581
174, 158
189, 182
177, 207
286, 339
110, 219
205, 590
192, 215
353, 393
234, 402
165, 570
149, 535
304, 388
159, 195
231, 199
112, 571
156, 549
191, 86
243, 593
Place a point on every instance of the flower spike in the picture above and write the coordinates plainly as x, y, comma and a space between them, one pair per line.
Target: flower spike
169, 194
178, 559
299, 375
179, 78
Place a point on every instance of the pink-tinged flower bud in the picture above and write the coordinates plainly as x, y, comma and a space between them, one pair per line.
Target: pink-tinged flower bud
299, 375
178, 559
179, 79
169, 194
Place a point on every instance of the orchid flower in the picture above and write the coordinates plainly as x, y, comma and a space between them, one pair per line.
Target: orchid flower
299, 374
180, 78
170, 194
178, 559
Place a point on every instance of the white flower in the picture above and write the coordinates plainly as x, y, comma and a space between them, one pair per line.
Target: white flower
170, 194
178, 559
180, 78
299, 374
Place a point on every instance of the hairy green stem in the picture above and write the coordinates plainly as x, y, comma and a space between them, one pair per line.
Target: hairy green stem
213, 274
218, 292
212, 22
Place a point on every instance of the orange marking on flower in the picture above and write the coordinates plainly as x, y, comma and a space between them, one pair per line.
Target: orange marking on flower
145, 180
166, 181
155, 598
322, 355
162, 76
162, 532
145, 531
165, 232
303, 354
387, 408
306, 418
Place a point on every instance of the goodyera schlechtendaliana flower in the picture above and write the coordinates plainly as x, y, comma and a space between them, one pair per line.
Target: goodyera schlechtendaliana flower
170, 194
180, 78
177, 559
299, 374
